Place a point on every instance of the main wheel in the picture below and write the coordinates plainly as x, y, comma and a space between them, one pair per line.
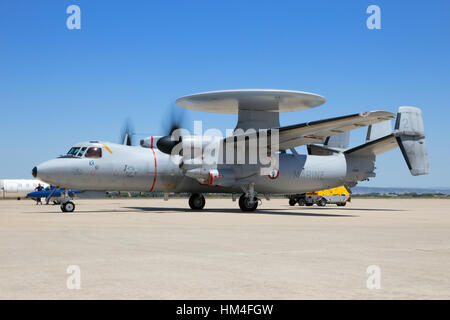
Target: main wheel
292, 202
246, 205
342, 204
322, 202
301, 202
197, 201
68, 206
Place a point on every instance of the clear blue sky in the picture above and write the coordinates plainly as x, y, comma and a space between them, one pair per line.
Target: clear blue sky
133, 58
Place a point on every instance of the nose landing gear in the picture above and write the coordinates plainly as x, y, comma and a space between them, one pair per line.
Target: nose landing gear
68, 206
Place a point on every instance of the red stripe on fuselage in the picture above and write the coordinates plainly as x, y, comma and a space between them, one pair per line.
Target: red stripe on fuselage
156, 167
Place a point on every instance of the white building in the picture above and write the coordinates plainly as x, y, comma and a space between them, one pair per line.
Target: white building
18, 188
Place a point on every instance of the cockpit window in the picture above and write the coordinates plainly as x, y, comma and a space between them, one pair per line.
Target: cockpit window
94, 152
82, 151
73, 151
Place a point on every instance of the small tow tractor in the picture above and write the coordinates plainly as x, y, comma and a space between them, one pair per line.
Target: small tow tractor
339, 196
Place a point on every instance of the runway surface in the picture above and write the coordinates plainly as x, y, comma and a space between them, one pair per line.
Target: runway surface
152, 249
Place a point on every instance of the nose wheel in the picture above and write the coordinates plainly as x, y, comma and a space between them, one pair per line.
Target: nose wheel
68, 206
197, 201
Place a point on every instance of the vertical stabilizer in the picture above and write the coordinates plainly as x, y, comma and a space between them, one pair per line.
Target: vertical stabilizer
410, 135
378, 130
340, 140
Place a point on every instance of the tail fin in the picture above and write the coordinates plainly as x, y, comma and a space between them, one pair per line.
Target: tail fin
335, 143
340, 140
410, 135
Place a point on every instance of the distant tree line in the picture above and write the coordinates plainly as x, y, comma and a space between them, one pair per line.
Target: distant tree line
402, 195
227, 195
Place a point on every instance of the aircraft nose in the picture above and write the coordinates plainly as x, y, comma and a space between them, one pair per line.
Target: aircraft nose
47, 171
34, 172
55, 171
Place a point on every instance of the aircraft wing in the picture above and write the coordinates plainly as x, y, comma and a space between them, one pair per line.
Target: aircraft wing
316, 131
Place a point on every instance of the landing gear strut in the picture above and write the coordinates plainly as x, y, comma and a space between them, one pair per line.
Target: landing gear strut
66, 204
197, 201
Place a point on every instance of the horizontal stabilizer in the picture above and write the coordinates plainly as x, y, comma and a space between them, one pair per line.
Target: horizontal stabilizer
374, 147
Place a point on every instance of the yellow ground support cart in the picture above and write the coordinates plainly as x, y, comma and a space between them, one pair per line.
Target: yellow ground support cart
339, 196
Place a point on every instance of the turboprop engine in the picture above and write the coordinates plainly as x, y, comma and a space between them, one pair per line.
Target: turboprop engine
200, 157
188, 144
213, 177
150, 142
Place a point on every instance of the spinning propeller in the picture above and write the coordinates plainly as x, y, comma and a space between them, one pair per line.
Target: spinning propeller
174, 120
126, 136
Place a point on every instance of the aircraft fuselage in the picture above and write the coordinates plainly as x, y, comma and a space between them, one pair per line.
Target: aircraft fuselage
131, 168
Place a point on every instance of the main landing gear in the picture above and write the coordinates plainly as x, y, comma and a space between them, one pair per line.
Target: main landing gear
248, 203
197, 201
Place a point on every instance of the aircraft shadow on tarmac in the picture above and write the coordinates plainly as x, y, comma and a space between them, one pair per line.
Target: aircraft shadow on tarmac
357, 209
287, 212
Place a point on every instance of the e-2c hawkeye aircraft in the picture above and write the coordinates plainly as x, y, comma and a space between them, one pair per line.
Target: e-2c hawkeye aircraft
199, 164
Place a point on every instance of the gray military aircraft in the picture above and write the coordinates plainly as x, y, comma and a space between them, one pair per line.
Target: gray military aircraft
199, 164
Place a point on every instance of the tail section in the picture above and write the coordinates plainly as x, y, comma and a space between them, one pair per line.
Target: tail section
409, 135
378, 130
374, 147
340, 140
336, 143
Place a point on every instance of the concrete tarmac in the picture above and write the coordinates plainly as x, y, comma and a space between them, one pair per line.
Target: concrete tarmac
152, 249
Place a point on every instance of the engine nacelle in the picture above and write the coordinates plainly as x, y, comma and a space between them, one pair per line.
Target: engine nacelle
188, 146
195, 146
213, 177
150, 142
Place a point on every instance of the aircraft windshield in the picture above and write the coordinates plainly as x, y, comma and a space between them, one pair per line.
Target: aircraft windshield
87, 152
82, 151
73, 151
